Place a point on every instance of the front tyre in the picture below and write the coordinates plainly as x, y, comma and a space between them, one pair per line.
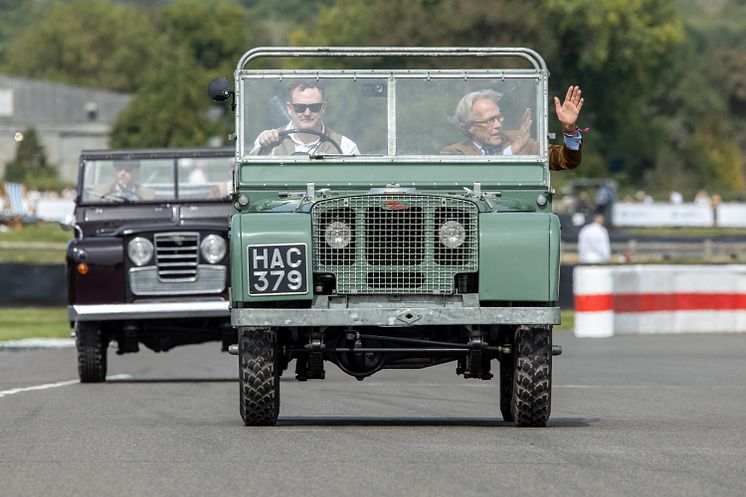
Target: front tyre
91, 344
532, 376
259, 376
507, 365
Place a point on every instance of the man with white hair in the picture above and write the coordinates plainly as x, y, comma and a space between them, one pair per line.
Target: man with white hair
479, 117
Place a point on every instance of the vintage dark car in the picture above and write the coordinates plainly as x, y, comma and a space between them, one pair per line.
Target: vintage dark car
149, 261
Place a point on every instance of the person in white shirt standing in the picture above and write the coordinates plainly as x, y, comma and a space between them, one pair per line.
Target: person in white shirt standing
593, 242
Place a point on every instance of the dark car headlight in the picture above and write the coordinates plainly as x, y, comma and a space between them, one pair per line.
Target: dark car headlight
140, 251
212, 248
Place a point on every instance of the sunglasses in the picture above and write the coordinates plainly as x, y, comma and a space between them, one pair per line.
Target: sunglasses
301, 108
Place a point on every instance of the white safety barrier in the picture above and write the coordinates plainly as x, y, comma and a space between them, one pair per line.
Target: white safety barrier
662, 214
731, 215
54, 209
613, 300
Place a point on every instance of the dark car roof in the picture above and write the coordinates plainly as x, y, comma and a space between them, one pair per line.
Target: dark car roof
155, 153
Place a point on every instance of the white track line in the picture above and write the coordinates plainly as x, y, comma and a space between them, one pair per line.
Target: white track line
47, 386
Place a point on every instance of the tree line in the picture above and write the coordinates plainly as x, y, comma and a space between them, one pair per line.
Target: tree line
664, 80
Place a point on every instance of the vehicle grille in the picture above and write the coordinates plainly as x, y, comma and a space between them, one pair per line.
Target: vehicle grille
177, 255
146, 282
394, 243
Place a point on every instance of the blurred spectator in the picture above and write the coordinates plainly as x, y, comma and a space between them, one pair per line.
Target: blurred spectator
643, 197
567, 204
593, 242
68, 193
604, 200
675, 197
198, 176
32, 199
701, 198
583, 203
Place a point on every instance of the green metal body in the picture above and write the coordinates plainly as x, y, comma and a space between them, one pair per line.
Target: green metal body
518, 240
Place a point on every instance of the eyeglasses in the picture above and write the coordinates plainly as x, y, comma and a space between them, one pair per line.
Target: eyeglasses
301, 108
491, 121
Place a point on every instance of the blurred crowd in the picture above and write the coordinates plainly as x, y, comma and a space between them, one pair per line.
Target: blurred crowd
676, 198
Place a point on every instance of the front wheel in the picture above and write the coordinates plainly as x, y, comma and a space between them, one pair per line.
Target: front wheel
259, 376
91, 344
507, 365
532, 376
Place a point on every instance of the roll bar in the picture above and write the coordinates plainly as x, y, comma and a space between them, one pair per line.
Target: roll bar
262, 52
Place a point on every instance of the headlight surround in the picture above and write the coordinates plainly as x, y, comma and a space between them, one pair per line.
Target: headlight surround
140, 251
338, 235
452, 234
212, 248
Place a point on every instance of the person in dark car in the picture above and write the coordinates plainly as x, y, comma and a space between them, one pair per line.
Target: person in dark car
126, 185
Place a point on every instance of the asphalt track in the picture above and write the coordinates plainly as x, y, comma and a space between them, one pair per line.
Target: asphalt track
634, 416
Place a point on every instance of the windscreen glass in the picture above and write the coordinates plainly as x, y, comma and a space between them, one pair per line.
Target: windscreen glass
407, 115
156, 180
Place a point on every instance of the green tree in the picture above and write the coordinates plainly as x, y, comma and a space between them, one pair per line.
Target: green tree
87, 42
16, 16
29, 166
619, 52
201, 41
216, 34
429, 23
169, 110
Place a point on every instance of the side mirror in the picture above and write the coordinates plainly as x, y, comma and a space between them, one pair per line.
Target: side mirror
67, 224
219, 89
70, 223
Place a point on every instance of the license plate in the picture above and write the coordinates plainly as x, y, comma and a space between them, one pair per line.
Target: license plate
277, 269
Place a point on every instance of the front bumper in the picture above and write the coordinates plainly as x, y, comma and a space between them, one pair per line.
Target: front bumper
325, 313
160, 310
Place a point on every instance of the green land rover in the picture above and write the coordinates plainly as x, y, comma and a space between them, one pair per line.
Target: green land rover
359, 237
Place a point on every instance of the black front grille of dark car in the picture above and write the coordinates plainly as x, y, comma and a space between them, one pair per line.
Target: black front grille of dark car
177, 255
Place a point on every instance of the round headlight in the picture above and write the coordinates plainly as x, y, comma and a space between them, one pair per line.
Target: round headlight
140, 251
212, 248
337, 235
452, 234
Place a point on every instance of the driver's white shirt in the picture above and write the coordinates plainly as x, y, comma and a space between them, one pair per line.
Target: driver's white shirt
348, 146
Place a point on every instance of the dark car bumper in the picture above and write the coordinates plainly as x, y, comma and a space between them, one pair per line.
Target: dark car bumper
155, 310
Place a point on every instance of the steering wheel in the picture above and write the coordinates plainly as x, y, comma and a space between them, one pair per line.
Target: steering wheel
285, 132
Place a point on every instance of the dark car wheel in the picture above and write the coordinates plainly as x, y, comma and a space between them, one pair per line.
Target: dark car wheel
259, 376
91, 344
532, 376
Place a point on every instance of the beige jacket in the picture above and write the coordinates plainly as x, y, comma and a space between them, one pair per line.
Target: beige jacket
560, 157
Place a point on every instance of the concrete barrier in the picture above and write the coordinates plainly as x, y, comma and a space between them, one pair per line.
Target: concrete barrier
613, 300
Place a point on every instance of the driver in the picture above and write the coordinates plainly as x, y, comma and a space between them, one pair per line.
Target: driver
126, 186
306, 108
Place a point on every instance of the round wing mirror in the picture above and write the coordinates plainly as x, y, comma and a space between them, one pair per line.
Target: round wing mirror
219, 89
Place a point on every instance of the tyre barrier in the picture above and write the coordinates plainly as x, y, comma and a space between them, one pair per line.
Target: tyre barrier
618, 300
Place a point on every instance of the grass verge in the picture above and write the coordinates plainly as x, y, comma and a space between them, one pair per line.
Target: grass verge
38, 243
568, 320
33, 322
